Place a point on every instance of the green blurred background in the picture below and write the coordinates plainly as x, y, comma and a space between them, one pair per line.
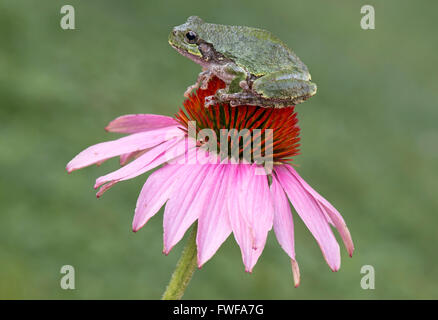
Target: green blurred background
369, 145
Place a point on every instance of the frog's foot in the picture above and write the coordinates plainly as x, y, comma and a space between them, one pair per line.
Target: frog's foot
216, 98
252, 99
236, 99
242, 98
202, 82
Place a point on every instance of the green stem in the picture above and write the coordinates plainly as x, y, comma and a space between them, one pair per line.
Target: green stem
184, 269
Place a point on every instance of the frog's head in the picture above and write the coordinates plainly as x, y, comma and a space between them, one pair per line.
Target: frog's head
185, 38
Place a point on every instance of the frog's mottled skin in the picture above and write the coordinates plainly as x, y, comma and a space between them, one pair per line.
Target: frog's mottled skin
257, 67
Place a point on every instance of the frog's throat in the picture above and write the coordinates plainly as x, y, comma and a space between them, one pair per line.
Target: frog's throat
198, 59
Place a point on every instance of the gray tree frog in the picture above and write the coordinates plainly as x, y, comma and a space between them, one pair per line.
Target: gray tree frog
257, 67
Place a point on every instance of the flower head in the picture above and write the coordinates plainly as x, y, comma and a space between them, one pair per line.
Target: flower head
223, 191
258, 130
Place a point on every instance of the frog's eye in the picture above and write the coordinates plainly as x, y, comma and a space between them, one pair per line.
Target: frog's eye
191, 37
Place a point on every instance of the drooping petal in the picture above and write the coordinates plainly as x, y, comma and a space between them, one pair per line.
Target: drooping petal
239, 225
283, 222
295, 272
151, 159
284, 226
131, 143
260, 205
311, 214
133, 123
155, 193
186, 202
334, 216
213, 223
251, 212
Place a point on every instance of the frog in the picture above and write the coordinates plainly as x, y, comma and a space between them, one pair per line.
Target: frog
258, 69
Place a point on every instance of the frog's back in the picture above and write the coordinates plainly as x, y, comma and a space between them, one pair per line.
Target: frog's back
257, 50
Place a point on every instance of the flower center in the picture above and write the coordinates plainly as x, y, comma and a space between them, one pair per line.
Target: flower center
244, 132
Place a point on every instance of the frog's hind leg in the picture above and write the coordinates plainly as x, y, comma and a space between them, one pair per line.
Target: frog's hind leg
289, 86
202, 82
278, 89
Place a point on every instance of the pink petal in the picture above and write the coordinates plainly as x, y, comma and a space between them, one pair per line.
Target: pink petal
125, 158
186, 202
155, 192
311, 214
251, 212
295, 272
151, 159
283, 222
260, 206
333, 214
131, 143
105, 188
284, 226
133, 123
101, 162
213, 223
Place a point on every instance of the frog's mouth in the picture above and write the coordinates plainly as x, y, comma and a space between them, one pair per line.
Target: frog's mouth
198, 59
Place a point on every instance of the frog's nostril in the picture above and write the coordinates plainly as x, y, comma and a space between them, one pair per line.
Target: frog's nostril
174, 32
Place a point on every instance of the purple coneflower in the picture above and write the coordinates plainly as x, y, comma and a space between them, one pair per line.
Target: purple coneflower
222, 194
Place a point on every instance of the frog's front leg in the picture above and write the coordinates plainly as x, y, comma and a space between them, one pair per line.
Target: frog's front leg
235, 79
202, 82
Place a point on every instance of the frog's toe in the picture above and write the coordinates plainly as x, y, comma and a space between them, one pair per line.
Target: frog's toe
210, 101
244, 85
204, 79
189, 90
235, 103
204, 84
